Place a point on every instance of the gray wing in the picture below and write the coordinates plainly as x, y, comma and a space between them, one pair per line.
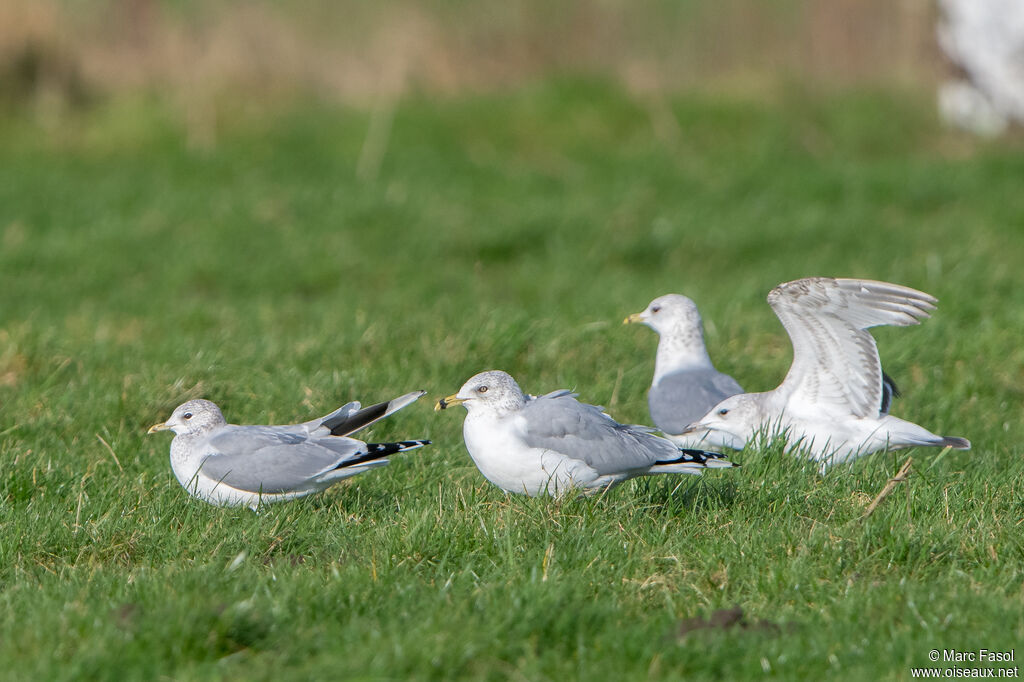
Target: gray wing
580, 431
682, 398
273, 459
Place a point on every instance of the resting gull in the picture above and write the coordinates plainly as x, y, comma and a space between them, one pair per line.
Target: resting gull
832, 402
685, 385
229, 465
552, 443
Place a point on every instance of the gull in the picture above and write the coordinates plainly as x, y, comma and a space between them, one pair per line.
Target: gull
230, 465
832, 403
685, 385
552, 443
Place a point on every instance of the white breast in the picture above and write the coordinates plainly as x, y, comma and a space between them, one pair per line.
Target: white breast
502, 457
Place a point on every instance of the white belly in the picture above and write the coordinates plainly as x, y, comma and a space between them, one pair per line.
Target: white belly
834, 442
503, 459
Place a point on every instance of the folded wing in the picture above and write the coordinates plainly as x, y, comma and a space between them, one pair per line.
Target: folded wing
681, 398
275, 460
559, 423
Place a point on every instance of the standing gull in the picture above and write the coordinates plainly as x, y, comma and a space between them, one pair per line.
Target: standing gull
832, 402
553, 443
686, 385
229, 465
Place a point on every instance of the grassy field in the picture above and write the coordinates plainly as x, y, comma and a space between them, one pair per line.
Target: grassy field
262, 271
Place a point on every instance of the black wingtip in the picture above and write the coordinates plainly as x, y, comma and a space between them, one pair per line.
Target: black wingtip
695, 456
392, 448
890, 391
343, 425
381, 450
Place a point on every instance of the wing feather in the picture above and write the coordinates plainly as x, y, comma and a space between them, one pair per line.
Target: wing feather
683, 397
559, 423
274, 459
353, 417
835, 360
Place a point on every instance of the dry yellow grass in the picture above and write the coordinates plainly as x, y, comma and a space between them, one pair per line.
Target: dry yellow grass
355, 51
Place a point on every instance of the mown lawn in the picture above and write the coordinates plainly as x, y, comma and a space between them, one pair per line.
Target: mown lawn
140, 266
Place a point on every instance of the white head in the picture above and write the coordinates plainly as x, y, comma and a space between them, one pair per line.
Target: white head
195, 416
493, 392
681, 329
673, 315
732, 422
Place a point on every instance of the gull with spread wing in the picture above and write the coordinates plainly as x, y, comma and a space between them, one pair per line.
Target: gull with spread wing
832, 403
229, 465
553, 443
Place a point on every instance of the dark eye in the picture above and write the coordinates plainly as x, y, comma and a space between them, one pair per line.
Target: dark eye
724, 411
655, 308
482, 389
187, 415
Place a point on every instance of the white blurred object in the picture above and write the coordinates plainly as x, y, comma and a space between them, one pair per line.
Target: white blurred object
985, 38
964, 106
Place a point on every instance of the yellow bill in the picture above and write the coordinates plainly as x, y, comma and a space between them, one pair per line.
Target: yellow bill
634, 318
444, 403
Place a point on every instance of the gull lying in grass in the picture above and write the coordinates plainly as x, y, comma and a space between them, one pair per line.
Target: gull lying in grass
231, 465
832, 402
551, 444
686, 385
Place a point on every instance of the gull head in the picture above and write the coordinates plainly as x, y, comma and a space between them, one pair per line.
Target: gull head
672, 315
191, 417
730, 423
493, 392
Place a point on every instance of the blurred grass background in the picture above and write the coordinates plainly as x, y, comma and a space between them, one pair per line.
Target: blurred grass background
284, 207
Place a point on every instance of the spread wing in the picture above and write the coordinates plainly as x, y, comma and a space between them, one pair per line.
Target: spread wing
835, 361
350, 418
274, 459
682, 398
559, 423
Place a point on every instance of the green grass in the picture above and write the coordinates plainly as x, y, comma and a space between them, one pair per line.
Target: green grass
510, 232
